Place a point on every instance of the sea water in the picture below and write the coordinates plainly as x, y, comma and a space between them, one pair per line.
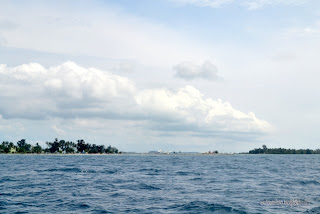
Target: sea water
159, 183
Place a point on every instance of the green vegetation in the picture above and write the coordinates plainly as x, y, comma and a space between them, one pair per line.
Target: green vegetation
265, 150
57, 146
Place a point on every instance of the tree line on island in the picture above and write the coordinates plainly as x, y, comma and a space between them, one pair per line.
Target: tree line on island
265, 150
81, 147
57, 146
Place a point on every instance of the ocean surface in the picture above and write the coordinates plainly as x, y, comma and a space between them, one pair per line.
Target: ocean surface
159, 184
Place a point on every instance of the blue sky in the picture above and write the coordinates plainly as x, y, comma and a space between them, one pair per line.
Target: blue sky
183, 75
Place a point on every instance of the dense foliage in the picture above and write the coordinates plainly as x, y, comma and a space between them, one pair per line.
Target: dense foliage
57, 146
265, 150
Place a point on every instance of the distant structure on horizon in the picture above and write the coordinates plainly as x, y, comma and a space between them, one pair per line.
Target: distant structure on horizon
160, 151
212, 152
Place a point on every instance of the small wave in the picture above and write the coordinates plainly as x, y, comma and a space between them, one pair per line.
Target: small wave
196, 179
101, 210
235, 180
84, 206
147, 187
109, 172
138, 187
7, 178
3, 204
182, 173
5, 194
202, 206
151, 171
314, 210
307, 182
72, 170
114, 195
61, 170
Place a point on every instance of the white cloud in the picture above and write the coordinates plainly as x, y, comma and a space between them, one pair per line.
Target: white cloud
284, 57
189, 71
71, 91
109, 34
308, 32
32, 91
57, 130
9, 126
189, 109
205, 3
257, 4
250, 4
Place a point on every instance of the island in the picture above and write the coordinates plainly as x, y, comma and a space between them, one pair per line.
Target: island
265, 150
56, 147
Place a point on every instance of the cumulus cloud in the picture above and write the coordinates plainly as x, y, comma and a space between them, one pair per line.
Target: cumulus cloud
189, 71
187, 109
31, 91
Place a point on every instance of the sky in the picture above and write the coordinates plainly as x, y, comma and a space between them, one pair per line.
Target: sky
176, 75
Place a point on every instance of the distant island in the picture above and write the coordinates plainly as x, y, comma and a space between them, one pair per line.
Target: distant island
81, 147
265, 150
56, 147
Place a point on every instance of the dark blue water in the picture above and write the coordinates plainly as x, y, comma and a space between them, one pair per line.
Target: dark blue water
159, 184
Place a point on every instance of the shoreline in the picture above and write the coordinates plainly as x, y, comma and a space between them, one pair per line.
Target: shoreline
147, 154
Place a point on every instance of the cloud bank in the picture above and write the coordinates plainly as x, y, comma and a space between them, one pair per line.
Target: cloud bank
111, 33
31, 91
189, 71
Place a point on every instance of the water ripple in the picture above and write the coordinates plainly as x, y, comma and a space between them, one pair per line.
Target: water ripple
158, 184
